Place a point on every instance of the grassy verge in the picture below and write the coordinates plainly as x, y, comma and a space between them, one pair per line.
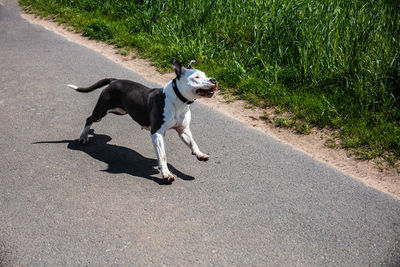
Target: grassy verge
331, 63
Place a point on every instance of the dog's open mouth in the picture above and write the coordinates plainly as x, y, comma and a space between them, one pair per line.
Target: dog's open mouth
206, 93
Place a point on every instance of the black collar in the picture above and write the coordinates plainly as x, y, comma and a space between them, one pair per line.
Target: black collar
179, 95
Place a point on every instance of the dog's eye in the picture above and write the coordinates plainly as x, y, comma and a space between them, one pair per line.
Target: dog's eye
197, 77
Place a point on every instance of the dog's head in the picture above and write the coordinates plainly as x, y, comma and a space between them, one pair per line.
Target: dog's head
193, 83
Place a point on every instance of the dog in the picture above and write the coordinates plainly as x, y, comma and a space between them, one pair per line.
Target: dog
155, 109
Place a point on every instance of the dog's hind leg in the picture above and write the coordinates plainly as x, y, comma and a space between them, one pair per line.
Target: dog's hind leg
84, 137
99, 111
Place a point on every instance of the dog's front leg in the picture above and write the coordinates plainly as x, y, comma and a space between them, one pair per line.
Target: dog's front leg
186, 135
158, 143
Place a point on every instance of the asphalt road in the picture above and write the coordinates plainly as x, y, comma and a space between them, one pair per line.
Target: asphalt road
257, 202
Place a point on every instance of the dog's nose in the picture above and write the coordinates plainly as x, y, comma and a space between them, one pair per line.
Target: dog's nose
213, 80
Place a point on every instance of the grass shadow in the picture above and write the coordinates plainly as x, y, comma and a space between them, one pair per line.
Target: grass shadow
119, 159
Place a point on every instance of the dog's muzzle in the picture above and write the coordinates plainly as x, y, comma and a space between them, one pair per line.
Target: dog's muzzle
210, 91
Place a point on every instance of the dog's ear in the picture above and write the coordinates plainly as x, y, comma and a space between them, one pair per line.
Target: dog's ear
190, 64
179, 69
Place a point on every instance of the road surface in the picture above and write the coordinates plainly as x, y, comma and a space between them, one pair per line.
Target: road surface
257, 202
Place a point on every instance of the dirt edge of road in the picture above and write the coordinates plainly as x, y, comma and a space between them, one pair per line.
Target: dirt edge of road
387, 180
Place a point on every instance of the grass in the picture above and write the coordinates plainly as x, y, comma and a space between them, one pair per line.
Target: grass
331, 63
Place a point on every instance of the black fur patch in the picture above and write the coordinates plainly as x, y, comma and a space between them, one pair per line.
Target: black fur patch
145, 105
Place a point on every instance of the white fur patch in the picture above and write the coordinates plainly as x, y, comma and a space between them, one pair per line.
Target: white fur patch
84, 139
72, 86
118, 111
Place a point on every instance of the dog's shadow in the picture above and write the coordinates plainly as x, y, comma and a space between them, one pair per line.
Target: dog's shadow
119, 159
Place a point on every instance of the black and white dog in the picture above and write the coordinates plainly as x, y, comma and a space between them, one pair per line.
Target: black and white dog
156, 109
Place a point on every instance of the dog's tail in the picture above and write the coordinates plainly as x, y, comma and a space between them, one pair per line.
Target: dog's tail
95, 86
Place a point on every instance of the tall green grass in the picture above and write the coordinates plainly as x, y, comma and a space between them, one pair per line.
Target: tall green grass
330, 63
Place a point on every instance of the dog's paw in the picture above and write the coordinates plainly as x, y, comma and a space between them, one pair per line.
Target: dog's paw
83, 140
169, 178
201, 156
